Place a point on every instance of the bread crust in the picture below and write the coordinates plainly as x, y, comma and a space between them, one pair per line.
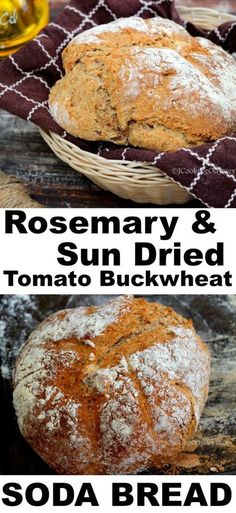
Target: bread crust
111, 389
146, 83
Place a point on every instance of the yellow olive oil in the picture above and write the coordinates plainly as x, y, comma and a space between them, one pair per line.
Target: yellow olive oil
20, 21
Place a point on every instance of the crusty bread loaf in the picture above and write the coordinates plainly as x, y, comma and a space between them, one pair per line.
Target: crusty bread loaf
111, 389
146, 83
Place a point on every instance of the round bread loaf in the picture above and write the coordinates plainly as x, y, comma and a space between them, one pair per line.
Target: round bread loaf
147, 83
111, 389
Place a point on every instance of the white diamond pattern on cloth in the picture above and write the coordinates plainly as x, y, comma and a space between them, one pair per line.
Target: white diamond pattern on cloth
206, 161
53, 60
87, 18
223, 38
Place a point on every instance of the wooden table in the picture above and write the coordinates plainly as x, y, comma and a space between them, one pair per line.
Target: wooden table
25, 155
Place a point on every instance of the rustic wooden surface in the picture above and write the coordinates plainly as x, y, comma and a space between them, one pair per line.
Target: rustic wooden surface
215, 320
26, 156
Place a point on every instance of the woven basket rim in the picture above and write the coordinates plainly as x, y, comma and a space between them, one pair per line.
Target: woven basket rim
206, 10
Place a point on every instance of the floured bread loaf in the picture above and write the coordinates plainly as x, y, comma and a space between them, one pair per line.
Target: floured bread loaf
111, 389
146, 83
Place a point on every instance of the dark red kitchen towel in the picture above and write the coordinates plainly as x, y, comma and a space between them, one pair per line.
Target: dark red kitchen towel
208, 171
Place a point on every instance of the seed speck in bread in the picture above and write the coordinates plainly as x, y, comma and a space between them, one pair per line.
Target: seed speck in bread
146, 83
111, 389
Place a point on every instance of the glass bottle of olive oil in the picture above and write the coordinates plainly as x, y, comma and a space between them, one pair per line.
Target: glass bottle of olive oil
20, 20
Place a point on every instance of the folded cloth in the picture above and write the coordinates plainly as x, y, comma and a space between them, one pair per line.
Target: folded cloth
207, 171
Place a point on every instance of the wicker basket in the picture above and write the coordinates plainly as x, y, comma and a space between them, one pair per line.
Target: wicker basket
136, 181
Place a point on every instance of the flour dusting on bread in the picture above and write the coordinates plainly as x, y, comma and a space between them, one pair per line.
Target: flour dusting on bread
79, 322
146, 83
150, 26
132, 402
